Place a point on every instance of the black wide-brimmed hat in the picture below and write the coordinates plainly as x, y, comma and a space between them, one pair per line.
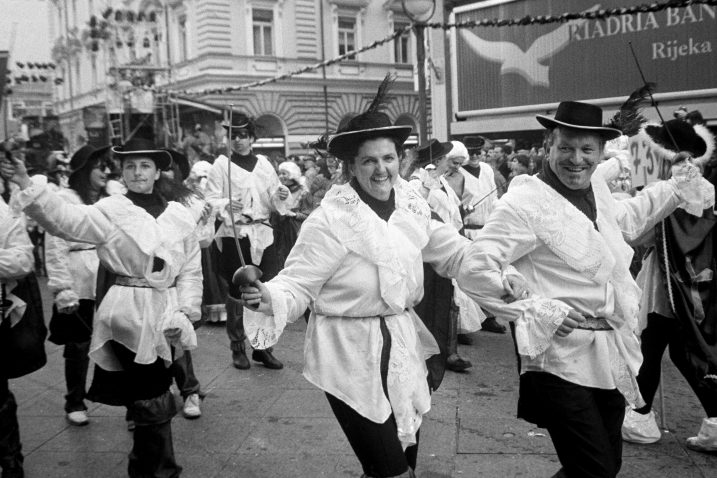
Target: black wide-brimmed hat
579, 116
85, 155
432, 150
181, 161
694, 139
145, 148
371, 124
240, 121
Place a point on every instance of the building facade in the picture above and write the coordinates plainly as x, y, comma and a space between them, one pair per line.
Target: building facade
114, 59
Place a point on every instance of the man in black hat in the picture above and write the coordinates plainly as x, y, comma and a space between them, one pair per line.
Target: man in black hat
255, 191
563, 230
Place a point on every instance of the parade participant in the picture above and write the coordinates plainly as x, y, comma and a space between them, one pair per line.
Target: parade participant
174, 190
256, 190
358, 264
148, 246
519, 164
22, 330
567, 235
72, 278
477, 196
682, 316
438, 308
289, 217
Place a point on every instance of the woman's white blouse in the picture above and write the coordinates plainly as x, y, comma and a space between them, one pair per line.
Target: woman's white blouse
128, 239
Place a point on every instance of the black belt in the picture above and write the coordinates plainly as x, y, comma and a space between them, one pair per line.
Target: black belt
472, 226
595, 324
128, 281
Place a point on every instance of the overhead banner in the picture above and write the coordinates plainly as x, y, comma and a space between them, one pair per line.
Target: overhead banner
583, 59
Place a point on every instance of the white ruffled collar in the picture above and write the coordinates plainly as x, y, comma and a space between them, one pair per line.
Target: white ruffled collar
362, 232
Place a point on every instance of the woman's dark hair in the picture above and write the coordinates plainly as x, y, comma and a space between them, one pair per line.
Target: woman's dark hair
79, 181
173, 190
349, 155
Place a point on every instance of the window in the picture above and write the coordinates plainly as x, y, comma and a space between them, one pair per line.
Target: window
93, 65
263, 25
182, 37
18, 110
401, 51
347, 36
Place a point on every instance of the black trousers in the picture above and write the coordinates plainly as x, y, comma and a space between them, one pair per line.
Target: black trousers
584, 423
376, 445
228, 264
660, 333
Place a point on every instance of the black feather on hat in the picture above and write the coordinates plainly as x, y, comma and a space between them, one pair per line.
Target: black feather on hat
181, 161
370, 124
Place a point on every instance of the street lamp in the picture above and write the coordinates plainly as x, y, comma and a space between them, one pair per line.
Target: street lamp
420, 11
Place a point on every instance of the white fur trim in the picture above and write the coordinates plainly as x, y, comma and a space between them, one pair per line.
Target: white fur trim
709, 140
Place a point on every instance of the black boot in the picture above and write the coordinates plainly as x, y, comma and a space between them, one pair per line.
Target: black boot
492, 325
265, 357
152, 454
239, 359
10, 448
456, 363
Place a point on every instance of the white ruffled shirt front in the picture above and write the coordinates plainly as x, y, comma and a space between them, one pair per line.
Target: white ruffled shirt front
568, 264
128, 239
353, 267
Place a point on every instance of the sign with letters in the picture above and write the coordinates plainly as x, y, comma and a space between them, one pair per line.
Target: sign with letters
582, 59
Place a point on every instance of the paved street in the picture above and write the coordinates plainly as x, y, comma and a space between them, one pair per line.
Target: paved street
262, 423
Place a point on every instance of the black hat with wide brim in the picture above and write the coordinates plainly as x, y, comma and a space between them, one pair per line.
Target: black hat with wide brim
140, 147
579, 116
677, 135
85, 155
431, 151
365, 126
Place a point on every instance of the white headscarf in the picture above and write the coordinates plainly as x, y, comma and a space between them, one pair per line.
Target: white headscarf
292, 169
459, 149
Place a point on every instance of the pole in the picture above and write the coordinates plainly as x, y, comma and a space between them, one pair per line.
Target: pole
419, 29
323, 68
69, 77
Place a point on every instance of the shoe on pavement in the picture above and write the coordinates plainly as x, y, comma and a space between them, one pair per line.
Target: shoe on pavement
191, 406
465, 339
706, 439
639, 428
492, 325
78, 418
130, 425
239, 360
265, 357
456, 363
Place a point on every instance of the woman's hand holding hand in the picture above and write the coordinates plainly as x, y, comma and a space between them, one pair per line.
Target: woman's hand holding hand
282, 192
256, 297
516, 288
573, 320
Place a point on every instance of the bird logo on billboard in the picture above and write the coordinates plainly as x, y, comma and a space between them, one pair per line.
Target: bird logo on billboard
527, 64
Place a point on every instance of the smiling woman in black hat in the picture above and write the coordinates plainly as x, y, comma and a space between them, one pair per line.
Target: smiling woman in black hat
148, 246
358, 263
72, 277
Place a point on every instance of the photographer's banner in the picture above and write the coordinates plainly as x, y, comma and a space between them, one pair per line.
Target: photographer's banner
581, 59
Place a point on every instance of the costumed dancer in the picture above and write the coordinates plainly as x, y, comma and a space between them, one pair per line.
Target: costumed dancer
476, 196
289, 217
681, 314
566, 233
174, 189
72, 279
256, 190
148, 247
22, 329
358, 262
440, 305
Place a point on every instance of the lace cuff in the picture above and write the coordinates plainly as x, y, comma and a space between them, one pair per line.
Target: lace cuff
535, 328
695, 191
21, 199
264, 330
66, 298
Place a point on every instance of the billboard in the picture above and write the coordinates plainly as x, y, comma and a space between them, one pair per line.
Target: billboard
582, 59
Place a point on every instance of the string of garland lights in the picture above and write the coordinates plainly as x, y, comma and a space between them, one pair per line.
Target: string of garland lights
600, 14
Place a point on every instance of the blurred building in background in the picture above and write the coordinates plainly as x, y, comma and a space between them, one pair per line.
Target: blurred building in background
115, 58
